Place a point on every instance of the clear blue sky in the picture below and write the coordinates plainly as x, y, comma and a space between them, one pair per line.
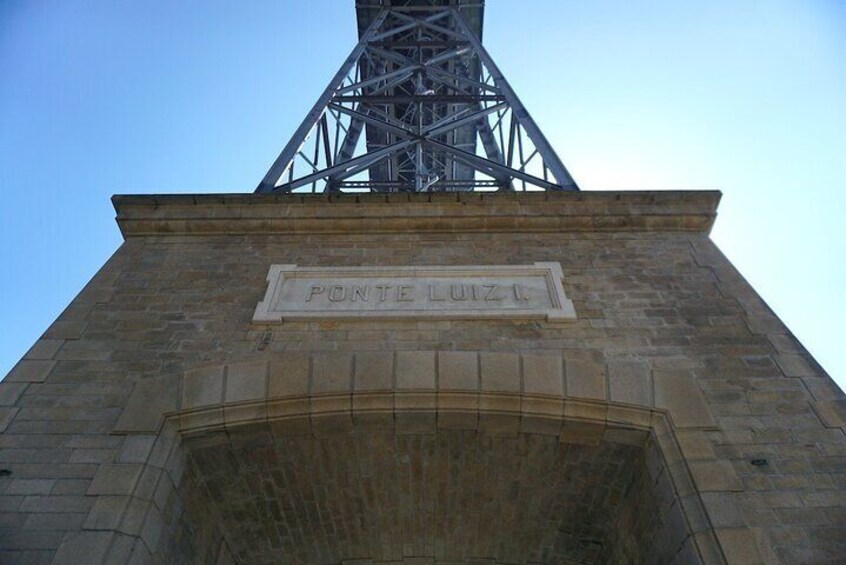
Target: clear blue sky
100, 97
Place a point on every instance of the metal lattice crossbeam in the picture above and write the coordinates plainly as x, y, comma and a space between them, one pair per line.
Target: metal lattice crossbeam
419, 105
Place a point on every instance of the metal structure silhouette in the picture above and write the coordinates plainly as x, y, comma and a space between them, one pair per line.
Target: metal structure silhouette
419, 105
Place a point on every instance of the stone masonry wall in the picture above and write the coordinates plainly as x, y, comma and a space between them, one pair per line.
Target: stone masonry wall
664, 321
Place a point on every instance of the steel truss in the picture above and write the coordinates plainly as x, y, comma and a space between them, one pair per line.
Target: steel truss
419, 105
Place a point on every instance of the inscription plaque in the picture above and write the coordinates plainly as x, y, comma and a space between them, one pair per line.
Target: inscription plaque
464, 292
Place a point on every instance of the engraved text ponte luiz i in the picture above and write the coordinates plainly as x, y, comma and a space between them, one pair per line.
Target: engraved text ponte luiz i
455, 292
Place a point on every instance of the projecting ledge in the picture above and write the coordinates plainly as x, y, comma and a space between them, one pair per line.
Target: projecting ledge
202, 214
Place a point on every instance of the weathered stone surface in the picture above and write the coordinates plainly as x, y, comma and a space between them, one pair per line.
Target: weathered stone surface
115, 479
374, 370
83, 547
415, 292
678, 392
500, 372
150, 399
415, 370
246, 381
585, 375
332, 373
202, 387
684, 404
543, 374
289, 374
630, 382
30, 371
458, 370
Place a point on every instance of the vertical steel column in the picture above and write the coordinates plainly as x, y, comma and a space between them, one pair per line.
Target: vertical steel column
556, 166
279, 166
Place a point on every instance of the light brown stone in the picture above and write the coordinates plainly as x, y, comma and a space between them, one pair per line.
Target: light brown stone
458, 370
246, 381
202, 387
677, 392
374, 370
30, 371
500, 372
331, 373
585, 375
288, 375
543, 374
150, 400
630, 382
415, 370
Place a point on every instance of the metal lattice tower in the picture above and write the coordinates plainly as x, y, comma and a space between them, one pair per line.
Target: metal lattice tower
419, 105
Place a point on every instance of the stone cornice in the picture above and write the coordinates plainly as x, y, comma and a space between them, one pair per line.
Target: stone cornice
216, 214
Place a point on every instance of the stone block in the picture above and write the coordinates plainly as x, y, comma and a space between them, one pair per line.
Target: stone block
695, 445
331, 404
115, 479
678, 393
630, 382
133, 517
120, 550
636, 438
542, 406
530, 424
49, 504
739, 545
29, 486
6, 417
415, 401
202, 387
136, 449
458, 370
373, 409
373, 402
715, 476
582, 433
201, 420
65, 329
415, 370
543, 374
246, 382
585, 411
584, 375
500, 372
290, 426
332, 373
794, 365
374, 370
44, 349
629, 416
150, 399
50, 522
11, 392
501, 403
106, 512
287, 406
832, 413
722, 509
30, 371
499, 424
83, 547
458, 420
823, 388
412, 422
239, 414
153, 528
289, 373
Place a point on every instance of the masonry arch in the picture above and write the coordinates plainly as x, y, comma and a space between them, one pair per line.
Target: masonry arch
423, 476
